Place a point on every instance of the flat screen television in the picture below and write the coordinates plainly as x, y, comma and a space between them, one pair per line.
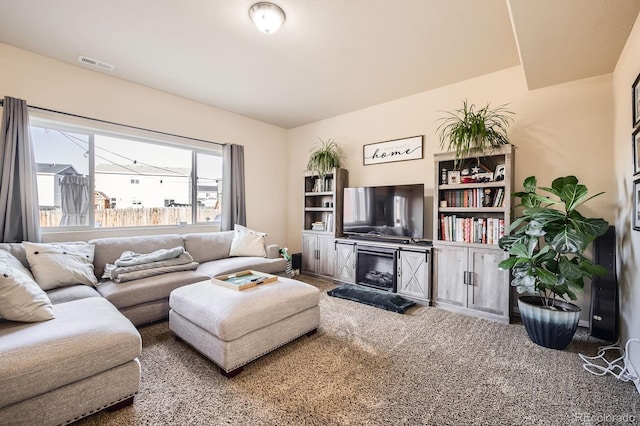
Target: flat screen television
392, 211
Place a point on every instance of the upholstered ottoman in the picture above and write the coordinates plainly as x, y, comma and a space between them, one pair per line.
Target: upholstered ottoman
232, 327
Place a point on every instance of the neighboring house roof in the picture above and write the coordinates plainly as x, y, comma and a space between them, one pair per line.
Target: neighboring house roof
55, 169
208, 188
139, 169
102, 195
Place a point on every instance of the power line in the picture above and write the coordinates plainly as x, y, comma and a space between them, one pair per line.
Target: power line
133, 160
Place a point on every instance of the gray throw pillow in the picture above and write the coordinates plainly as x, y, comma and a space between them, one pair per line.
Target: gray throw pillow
58, 265
10, 259
21, 299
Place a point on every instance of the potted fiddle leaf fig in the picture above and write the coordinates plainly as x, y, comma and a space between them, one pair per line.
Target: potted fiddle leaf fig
324, 157
470, 129
546, 246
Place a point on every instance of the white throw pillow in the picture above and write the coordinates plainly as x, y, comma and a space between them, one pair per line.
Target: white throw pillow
20, 297
247, 242
59, 265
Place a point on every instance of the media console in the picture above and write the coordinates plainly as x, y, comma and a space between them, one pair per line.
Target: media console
392, 266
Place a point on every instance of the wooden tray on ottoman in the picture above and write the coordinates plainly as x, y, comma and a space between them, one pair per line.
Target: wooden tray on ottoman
243, 279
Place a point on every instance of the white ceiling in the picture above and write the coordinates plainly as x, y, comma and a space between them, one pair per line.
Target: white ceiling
330, 56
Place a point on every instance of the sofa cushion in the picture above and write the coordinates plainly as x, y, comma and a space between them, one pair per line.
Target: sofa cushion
247, 242
87, 337
73, 292
206, 246
21, 299
59, 264
144, 290
107, 250
235, 264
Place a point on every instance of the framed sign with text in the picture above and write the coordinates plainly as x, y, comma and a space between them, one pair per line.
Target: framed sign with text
394, 150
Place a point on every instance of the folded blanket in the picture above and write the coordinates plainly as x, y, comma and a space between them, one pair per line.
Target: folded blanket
113, 272
129, 258
136, 275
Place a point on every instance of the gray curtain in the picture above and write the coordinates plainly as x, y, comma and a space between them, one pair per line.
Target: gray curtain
19, 207
233, 200
75, 200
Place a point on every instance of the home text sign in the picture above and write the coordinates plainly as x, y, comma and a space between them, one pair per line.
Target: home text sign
395, 150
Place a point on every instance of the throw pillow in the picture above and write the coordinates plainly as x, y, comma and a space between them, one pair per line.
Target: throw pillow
247, 242
10, 259
20, 297
59, 265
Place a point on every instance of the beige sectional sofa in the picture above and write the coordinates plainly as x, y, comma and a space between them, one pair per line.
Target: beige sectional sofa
86, 358
147, 299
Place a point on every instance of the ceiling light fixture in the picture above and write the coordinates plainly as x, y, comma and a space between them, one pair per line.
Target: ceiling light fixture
268, 17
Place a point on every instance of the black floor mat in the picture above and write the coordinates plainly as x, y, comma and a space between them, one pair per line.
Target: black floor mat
370, 296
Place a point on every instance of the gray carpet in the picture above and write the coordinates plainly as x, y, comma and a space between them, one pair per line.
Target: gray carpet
370, 366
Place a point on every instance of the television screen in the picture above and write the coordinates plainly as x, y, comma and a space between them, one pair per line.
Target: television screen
393, 211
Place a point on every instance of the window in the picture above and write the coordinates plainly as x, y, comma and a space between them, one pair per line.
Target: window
93, 178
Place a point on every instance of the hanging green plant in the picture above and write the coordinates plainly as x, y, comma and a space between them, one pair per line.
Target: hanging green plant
324, 157
470, 128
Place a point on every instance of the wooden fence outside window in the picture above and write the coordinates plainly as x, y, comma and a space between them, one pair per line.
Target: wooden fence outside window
143, 216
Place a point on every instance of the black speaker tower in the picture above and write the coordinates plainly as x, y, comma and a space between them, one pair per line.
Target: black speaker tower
603, 323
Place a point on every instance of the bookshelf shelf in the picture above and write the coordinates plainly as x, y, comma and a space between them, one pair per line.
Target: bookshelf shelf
318, 209
471, 209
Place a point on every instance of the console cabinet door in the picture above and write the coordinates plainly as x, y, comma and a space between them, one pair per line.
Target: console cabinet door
449, 283
345, 262
413, 273
326, 255
309, 252
318, 253
489, 286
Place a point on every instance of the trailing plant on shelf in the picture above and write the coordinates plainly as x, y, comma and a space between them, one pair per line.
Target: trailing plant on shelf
471, 128
324, 156
546, 248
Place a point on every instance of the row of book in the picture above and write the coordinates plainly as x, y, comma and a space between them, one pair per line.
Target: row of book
475, 197
480, 230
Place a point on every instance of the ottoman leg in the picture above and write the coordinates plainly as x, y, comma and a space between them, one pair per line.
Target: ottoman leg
121, 404
231, 374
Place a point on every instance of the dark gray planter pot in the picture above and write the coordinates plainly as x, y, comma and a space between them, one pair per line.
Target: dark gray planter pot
551, 328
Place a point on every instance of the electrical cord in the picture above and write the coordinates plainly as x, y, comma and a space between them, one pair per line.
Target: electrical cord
620, 368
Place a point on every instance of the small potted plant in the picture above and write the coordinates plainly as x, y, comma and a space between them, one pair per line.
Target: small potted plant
324, 157
469, 128
546, 247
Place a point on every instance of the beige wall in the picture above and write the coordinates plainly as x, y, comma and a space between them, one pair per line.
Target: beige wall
55, 85
560, 130
628, 240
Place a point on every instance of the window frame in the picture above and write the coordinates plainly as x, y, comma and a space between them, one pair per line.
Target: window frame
92, 128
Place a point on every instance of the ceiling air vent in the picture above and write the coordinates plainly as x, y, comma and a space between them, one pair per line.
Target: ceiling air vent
95, 63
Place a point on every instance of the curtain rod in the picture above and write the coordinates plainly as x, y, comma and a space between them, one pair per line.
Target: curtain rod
117, 124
